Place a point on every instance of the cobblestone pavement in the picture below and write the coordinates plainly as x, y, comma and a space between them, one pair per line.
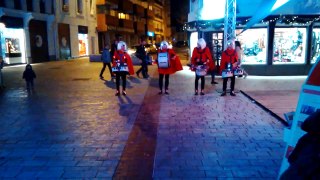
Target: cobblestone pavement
73, 127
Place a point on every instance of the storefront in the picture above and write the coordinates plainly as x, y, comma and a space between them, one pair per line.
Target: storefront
278, 40
13, 40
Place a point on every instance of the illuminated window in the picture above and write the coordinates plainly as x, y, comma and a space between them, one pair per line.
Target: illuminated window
254, 45
289, 46
113, 13
79, 6
150, 8
121, 16
315, 47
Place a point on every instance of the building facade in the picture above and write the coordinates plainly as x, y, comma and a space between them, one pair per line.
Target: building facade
76, 28
132, 19
36, 31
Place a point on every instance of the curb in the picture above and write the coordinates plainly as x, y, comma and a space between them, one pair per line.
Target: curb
266, 109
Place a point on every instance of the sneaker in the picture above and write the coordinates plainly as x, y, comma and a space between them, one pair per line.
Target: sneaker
202, 93
117, 93
160, 92
196, 93
223, 94
232, 93
101, 77
124, 93
137, 74
213, 82
166, 92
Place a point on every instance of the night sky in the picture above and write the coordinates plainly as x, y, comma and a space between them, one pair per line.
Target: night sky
179, 12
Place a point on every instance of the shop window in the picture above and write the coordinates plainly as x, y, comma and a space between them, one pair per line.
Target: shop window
315, 47
65, 5
83, 44
79, 6
254, 45
289, 46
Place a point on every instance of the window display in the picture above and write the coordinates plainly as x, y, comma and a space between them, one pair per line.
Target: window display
289, 46
254, 45
315, 47
83, 44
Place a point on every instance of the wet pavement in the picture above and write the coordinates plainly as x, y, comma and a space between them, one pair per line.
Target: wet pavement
73, 127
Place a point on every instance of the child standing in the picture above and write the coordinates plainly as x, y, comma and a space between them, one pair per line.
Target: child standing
29, 75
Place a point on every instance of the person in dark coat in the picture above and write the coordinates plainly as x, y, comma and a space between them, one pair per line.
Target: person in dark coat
142, 55
305, 158
29, 75
106, 59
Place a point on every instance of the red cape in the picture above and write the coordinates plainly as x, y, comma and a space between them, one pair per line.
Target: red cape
204, 55
175, 63
127, 59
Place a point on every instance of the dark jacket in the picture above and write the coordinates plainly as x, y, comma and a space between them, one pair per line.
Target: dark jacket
305, 158
141, 53
29, 74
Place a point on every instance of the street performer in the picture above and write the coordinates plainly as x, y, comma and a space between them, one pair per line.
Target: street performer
121, 66
168, 63
229, 62
201, 63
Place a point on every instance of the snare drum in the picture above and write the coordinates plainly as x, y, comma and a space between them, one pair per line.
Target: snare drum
121, 67
238, 72
227, 73
201, 70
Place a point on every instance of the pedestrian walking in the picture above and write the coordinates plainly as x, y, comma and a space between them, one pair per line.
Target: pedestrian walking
142, 55
121, 66
240, 56
201, 62
229, 61
168, 63
106, 60
29, 75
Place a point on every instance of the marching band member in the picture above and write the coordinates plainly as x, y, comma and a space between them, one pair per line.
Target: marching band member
229, 60
201, 59
122, 64
174, 65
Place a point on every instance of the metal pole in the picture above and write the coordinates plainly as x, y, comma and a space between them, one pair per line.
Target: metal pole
229, 22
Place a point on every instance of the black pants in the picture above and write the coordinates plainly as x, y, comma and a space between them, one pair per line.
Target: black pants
225, 80
29, 84
144, 69
213, 75
166, 81
104, 67
123, 76
202, 82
